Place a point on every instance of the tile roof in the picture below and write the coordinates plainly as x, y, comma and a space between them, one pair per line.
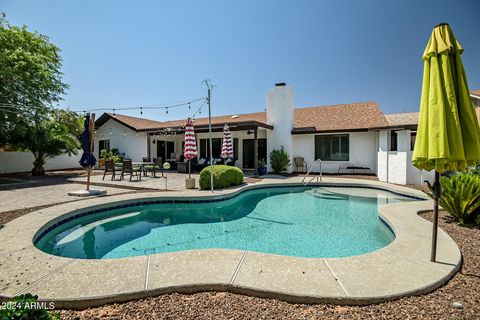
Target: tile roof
134, 123
402, 119
259, 117
475, 92
341, 117
411, 118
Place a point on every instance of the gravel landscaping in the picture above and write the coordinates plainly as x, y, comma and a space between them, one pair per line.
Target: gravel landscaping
463, 288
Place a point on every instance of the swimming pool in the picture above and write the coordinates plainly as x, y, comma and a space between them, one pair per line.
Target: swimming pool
293, 221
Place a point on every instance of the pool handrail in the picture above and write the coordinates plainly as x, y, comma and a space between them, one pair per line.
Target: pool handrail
319, 177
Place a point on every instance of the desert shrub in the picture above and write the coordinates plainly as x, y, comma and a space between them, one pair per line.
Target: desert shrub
223, 177
26, 306
279, 160
475, 169
460, 196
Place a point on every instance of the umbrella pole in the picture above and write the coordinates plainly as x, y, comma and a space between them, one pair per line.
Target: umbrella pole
89, 168
436, 190
189, 169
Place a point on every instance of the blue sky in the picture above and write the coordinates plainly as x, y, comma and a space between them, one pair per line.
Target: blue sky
137, 53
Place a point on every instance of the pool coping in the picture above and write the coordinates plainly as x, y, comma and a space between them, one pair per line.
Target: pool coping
400, 269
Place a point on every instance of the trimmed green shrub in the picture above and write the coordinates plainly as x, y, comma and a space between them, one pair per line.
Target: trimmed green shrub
26, 306
460, 196
223, 177
279, 160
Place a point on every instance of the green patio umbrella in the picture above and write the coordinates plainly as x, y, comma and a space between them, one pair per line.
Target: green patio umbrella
448, 134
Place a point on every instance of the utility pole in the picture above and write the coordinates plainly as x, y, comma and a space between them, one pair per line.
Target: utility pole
209, 88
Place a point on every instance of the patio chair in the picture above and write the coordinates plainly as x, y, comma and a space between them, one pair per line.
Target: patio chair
230, 162
128, 168
299, 162
145, 171
349, 168
109, 168
201, 163
157, 165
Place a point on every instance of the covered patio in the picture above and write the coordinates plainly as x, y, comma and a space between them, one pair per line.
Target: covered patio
249, 143
139, 138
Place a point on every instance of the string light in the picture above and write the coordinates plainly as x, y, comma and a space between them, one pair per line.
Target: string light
25, 108
153, 106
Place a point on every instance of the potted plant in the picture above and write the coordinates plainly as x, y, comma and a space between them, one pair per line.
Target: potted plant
262, 167
103, 156
112, 154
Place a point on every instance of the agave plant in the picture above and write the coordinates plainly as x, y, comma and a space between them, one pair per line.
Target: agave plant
460, 196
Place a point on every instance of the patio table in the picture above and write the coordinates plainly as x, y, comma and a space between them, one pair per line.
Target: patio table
142, 165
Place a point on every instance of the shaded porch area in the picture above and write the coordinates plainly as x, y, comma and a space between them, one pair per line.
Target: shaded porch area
249, 144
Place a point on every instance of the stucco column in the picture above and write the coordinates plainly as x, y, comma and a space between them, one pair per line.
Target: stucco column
404, 140
149, 147
384, 140
280, 115
382, 155
255, 151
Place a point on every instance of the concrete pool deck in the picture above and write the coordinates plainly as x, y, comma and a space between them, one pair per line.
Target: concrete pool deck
402, 268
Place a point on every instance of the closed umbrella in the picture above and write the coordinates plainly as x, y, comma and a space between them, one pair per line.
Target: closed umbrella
448, 131
227, 145
190, 150
88, 159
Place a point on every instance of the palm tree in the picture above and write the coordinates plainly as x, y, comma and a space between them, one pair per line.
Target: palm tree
52, 137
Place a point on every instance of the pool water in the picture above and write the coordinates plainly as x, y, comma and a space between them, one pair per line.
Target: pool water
292, 221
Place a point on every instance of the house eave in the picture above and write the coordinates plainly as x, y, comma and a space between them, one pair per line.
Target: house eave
297, 131
237, 126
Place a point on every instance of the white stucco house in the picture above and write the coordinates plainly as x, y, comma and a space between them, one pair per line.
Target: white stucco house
343, 136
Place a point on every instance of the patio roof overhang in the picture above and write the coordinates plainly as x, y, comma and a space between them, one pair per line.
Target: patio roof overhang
203, 128
313, 130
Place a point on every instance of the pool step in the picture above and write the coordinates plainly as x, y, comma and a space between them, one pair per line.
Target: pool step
325, 194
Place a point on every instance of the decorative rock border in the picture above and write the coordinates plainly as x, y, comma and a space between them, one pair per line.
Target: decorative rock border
402, 268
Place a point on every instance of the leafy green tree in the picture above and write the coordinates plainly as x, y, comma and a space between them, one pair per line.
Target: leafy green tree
30, 80
30, 85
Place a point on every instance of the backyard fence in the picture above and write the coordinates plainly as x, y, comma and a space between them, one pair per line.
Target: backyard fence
15, 162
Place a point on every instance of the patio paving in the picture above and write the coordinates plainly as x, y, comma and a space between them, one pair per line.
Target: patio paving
173, 181
33, 195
